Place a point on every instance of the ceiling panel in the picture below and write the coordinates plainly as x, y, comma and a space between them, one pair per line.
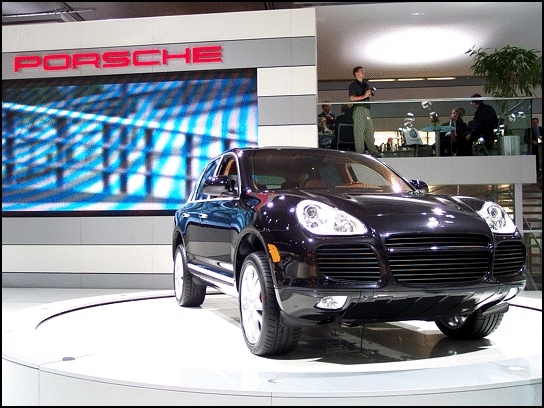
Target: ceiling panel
391, 40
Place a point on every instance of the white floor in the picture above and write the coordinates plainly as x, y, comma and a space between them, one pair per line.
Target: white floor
121, 347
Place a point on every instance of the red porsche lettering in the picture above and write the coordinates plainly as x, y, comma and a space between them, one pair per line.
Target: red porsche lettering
118, 59
90, 58
207, 54
56, 62
26, 61
138, 58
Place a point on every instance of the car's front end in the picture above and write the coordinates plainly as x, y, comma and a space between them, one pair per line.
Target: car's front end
391, 258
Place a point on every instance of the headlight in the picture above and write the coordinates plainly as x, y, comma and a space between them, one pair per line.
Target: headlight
497, 219
323, 219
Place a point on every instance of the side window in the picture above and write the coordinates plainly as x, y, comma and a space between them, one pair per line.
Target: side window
207, 172
229, 168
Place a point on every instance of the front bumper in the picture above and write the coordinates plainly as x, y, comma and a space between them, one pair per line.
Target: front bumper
298, 305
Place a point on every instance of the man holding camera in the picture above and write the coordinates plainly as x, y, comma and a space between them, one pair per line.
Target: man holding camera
363, 129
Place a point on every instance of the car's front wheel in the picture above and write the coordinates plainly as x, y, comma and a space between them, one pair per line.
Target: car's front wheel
186, 291
469, 327
259, 310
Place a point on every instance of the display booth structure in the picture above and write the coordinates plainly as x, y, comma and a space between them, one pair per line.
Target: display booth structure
109, 122
122, 114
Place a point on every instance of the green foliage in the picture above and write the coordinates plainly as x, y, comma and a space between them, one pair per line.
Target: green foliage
510, 72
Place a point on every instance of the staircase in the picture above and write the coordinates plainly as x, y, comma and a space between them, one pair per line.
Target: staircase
532, 225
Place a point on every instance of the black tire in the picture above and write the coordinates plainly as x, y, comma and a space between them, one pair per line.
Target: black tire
187, 293
469, 327
263, 331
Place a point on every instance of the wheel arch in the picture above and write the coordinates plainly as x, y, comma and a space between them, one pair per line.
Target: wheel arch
250, 241
177, 239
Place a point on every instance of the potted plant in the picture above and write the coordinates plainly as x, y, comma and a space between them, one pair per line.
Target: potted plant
509, 72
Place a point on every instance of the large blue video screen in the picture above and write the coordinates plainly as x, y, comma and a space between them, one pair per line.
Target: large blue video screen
129, 144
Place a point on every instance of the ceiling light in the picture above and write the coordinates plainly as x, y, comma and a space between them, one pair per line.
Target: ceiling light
406, 46
411, 79
441, 78
383, 80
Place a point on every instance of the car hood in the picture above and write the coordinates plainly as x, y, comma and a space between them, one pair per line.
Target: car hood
410, 212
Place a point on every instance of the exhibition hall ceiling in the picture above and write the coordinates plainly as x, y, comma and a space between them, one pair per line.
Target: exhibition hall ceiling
391, 40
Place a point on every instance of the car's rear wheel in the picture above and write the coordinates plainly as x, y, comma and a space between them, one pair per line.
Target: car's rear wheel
259, 310
469, 327
186, 291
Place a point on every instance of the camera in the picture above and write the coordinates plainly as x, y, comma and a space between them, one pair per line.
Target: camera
372, 91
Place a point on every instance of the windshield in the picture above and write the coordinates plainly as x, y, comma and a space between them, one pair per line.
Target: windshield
280, 169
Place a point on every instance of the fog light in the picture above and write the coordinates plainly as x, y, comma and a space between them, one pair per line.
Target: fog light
332, 302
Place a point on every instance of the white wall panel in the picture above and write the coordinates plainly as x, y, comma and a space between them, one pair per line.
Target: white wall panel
467, 170
160, 30
303, 135
88, 230
87, 258
85, 249
287, 81
108, 33
38, 37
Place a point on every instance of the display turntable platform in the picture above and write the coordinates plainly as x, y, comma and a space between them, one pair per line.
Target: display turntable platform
141, 348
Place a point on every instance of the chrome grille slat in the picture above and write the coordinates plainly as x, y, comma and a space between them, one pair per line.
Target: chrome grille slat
423, 260
348, 263
432, 241
509, 259
438, 259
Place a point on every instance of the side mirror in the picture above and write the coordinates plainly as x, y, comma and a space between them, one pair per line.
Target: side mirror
420, 186
219, 185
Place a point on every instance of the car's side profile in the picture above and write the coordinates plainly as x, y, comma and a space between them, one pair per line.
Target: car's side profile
306, 236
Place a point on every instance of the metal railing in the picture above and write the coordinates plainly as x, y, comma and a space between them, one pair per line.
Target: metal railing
392, 119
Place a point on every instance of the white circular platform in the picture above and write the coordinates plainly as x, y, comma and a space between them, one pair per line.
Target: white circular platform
143, 349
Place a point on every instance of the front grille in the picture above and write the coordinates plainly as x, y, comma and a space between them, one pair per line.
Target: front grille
356, 263
428, 259
509, 259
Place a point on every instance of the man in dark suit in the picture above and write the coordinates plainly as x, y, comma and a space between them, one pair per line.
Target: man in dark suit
532, 137
485, 121
451, 142
326, 113
346, 117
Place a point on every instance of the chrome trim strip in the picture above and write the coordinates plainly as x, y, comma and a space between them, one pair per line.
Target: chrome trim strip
218, 281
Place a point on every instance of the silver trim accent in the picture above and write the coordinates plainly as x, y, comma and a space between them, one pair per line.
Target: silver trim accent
216, 280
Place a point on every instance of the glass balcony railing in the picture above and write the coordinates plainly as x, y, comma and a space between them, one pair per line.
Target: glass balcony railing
395, 121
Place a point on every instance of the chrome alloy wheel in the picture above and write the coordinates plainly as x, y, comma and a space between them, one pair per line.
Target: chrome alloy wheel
251, 301
179, 267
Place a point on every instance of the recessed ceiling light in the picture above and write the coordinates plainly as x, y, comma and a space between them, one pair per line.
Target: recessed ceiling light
412, 46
